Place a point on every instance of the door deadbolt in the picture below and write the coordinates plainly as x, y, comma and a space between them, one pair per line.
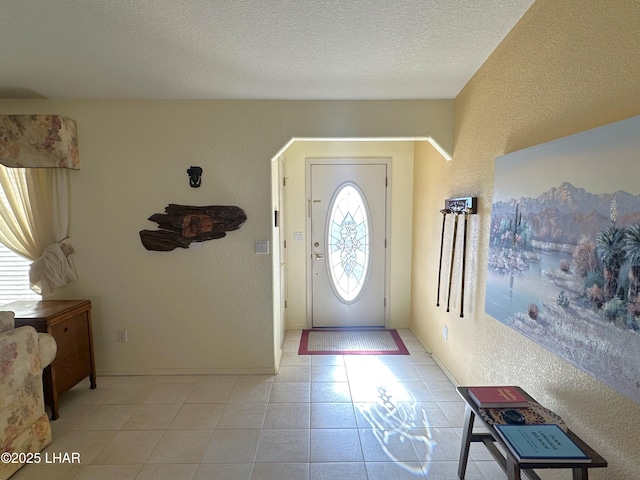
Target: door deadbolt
316, 244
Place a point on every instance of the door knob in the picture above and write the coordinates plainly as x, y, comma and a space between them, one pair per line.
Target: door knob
318, 256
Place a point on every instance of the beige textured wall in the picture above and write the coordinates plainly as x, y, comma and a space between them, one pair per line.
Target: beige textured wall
567, 66
211, 309
401, 175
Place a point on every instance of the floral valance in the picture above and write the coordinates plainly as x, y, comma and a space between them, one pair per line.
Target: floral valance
38, 141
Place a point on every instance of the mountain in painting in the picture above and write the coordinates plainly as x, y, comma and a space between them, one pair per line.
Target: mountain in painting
566, 213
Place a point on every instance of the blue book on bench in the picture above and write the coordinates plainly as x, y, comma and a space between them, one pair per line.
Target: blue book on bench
546, 443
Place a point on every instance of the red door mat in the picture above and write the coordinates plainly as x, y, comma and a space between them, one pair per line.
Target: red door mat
351, 342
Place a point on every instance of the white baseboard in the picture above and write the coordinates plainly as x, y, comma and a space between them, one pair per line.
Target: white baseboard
447, 373
296, 326
187, 371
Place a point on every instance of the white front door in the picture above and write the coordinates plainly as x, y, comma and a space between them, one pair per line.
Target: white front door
348, 204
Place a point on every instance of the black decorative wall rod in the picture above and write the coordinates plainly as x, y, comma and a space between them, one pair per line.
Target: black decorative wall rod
456, 206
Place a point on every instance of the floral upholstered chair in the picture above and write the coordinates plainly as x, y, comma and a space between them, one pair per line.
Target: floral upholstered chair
24, 424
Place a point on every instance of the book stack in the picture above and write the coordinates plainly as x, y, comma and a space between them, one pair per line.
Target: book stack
498, 397
546, 443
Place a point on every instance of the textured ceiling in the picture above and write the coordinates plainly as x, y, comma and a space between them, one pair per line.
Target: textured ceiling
267, 49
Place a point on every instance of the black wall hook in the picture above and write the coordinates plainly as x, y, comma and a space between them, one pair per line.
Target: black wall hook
195, 176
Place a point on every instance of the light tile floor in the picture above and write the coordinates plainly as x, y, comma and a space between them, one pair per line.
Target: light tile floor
322, 417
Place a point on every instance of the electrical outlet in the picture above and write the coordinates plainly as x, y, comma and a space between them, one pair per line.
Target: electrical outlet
445, 332
122, 335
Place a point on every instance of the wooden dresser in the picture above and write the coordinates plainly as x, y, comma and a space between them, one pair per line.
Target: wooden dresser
69, 322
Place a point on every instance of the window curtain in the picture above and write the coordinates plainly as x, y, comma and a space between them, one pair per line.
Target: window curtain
34, 220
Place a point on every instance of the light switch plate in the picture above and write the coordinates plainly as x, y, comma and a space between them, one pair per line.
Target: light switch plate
262, 247
123, 336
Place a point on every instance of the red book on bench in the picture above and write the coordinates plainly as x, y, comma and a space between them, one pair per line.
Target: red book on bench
497, 397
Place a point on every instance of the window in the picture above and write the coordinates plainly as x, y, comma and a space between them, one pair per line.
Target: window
14, 274
348, 242
14, 277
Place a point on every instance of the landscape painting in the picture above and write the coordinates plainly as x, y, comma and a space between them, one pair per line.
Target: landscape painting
564, 254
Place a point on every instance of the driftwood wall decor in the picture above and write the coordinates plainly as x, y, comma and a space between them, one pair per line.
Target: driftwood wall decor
181, 224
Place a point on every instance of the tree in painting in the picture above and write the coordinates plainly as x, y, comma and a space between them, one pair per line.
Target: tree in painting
610, 248
618, 300
632, 248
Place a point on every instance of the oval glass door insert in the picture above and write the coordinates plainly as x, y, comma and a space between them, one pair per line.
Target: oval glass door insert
348, 242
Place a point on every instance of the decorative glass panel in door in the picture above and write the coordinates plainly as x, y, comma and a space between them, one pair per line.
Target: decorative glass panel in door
348, 242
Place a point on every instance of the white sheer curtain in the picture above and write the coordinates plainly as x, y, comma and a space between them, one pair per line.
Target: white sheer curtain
34, 218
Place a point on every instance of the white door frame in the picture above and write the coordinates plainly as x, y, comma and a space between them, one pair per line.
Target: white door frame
282, 251
353, 161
